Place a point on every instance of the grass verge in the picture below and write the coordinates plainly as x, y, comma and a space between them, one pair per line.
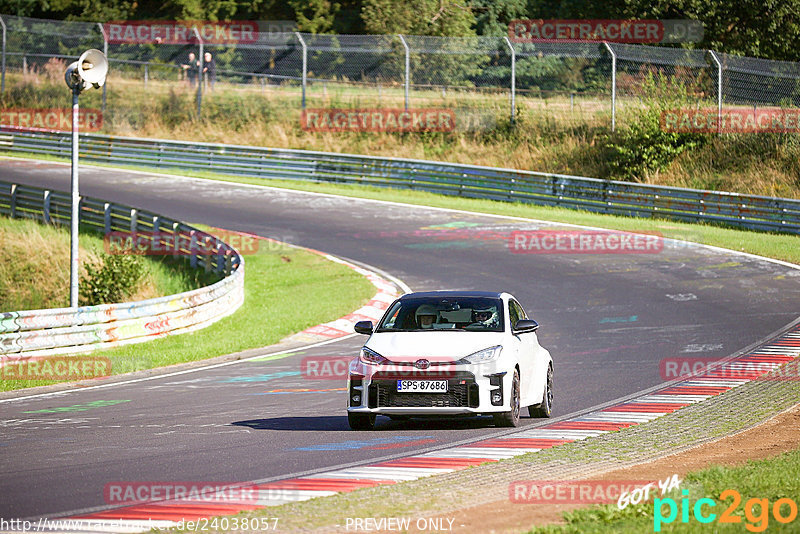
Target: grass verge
286, 290
760, 485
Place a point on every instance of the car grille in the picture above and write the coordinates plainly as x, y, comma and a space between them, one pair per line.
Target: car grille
383, 394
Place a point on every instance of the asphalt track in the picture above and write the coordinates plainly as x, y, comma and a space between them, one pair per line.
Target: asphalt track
608, 320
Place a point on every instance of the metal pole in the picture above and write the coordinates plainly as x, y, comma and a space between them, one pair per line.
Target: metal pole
305, 65
513, 77
613, 86
105, 53
408, 67
199, 73
76, 199
719, 89
3, 76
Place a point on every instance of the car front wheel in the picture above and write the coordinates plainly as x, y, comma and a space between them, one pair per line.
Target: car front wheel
545, 409
361, 421
510, 418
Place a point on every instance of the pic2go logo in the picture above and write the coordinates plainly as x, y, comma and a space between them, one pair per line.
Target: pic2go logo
783, 511
326, 368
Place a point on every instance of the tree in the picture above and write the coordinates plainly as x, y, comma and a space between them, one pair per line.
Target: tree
314, 16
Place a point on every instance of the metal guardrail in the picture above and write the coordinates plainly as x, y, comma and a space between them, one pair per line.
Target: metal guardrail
68, 330
470, 181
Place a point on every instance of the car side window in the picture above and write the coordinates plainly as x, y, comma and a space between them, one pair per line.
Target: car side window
520, 311
513, 313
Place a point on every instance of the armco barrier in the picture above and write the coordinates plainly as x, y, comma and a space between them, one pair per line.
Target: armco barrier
591, 194
66, 330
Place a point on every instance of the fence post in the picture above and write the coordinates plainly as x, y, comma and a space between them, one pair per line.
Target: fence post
146, 73
305, 65
3, 75
513, 77
105, 52
613, 86
199, 72
716, 60
408, 67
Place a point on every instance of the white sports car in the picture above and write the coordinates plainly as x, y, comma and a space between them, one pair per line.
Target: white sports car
450, 353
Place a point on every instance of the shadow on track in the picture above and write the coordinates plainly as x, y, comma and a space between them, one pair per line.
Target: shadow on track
337, 423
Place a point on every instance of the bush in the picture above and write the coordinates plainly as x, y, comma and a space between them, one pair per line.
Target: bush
644, 147
113, 280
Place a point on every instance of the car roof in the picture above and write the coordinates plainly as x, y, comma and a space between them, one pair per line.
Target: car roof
460, 294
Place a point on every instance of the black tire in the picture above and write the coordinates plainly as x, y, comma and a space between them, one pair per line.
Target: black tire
545, 408
510, 418
361, 421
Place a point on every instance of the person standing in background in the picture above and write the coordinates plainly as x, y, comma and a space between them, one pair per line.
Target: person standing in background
190, 68
210, 70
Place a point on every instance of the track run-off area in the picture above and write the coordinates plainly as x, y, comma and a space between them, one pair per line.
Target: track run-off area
610, 320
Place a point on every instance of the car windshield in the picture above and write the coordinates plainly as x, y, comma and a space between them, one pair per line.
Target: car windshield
470, 314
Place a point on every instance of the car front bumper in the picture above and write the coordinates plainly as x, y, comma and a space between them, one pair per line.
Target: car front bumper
472, 389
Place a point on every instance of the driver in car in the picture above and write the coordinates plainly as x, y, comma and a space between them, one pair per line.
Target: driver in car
426, 316
486, 318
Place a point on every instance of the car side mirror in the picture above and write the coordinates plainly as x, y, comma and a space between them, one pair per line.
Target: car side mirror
525, 325
363, 327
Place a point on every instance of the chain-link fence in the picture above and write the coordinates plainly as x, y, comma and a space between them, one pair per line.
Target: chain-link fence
591, 81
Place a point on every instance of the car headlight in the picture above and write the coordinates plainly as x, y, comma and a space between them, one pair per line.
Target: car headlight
483, 356
371, 357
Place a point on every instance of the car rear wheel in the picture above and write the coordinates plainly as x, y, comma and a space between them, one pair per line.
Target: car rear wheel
545, 409
510, 418
361, 421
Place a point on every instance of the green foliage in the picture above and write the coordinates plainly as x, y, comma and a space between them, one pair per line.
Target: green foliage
314, 16
643, 147
112, 281
423, 17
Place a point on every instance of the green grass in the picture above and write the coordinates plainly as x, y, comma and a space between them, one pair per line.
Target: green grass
286, 290
770, 479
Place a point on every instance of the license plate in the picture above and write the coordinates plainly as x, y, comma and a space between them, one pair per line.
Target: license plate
422, 386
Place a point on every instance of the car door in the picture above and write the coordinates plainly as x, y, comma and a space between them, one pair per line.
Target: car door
526, 353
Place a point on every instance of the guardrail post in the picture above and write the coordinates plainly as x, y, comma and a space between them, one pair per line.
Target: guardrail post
107, 218
134, 221
13, 203
155, 235
715, 59
407, 81
199, 73
613, 86
305, 65
46, 207
192, 249
105, 53
3, 75
176, 239
513, 77
220, 257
